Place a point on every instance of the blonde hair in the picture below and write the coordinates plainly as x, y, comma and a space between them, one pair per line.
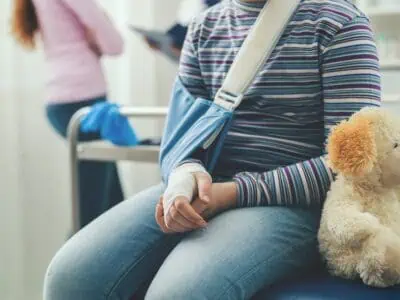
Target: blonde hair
24, 24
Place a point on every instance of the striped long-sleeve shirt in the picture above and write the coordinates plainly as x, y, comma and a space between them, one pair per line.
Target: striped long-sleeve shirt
324, 68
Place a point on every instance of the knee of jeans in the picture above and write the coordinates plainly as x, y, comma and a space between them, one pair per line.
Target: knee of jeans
56, 282
64, 281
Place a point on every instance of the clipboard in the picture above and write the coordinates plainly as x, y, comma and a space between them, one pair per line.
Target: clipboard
163, 41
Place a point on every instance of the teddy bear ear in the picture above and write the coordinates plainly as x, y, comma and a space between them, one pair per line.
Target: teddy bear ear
351, 147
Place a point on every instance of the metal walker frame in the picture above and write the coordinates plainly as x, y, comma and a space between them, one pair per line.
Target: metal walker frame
104, 151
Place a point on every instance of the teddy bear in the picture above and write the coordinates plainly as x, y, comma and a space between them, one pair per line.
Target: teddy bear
359, 234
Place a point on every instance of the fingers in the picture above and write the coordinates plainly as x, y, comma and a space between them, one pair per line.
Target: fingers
200, 206
187, 211
160, 217
204, 185
176, 222
181, 217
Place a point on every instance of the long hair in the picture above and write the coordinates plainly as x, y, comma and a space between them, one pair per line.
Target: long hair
24, 24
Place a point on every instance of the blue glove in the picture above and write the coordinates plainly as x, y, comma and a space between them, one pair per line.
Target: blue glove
105, 118
94, 120
116, 129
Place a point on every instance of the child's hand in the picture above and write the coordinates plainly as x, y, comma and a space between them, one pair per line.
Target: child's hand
223, 197
190, 216
181, 217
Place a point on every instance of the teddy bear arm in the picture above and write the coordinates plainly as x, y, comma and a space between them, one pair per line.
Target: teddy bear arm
380, 261
351, 226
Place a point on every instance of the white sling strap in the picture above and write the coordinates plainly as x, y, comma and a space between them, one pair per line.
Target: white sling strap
255, 51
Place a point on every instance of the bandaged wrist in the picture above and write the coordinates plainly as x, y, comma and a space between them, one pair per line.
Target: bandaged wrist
182, 183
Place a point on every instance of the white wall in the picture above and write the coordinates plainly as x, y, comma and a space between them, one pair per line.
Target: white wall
34, 188
10, 206
141, 77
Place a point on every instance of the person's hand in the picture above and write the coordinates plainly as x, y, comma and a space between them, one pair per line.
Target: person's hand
211, 199
160, 217
177, 223
223, 197
180, 216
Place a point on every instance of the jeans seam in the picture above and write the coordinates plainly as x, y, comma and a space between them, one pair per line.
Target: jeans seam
258, 266
131, 266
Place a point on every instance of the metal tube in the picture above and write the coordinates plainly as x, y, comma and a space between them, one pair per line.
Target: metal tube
73, 136
148, 112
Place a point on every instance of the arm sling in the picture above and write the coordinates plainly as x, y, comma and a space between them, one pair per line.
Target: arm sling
194, 123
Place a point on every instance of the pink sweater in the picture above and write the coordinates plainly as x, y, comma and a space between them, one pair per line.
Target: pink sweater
74, 69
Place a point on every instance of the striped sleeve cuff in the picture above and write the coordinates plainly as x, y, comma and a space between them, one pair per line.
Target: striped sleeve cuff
247, 190
303, 184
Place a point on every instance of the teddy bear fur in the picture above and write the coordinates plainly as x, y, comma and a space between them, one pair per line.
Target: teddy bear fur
359, 235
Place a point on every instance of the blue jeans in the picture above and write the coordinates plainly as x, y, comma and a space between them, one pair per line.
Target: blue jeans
99, 184
240, 252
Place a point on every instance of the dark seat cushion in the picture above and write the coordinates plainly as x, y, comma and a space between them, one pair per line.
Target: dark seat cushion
325, 287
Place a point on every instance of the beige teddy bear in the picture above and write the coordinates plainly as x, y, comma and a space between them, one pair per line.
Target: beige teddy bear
359, 234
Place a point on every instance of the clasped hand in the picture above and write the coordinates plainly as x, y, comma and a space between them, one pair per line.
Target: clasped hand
184, 214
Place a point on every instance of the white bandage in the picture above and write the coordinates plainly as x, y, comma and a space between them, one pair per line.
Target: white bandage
182, 183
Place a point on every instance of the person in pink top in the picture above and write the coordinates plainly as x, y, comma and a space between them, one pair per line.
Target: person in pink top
75, 35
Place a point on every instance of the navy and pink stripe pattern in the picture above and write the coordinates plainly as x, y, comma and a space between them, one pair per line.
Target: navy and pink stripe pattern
324, 69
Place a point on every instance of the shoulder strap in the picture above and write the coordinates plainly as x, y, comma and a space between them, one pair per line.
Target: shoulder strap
255, 51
